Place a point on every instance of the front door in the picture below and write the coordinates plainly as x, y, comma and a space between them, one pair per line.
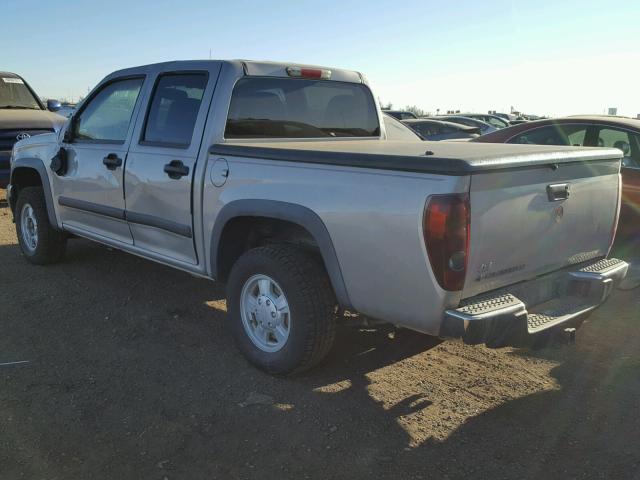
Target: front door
161, 164
90, 193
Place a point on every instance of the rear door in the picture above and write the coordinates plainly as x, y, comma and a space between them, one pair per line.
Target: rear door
90, 194
161, 163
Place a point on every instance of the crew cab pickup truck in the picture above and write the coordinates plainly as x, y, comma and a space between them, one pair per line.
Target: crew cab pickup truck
278, 179
22, 115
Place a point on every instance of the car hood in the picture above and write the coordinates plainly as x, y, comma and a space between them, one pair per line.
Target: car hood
30, 120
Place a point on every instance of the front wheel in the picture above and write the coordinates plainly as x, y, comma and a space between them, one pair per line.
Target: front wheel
39, 241
281, 306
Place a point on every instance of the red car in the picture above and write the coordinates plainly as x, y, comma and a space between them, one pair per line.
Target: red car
590, 131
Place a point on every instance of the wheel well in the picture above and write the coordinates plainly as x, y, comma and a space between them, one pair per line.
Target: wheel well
23, 177
244, 233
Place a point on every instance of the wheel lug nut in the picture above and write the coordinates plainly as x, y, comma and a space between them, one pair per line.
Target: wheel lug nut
273, 314
268, 302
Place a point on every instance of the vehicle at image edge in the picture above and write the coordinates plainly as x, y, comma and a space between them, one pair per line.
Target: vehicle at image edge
396, 130
400, 114
435, 130
483, 127
22, 114
493, 120
591, 131
279, 180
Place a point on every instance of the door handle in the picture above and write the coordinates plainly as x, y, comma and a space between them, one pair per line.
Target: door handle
176, 169
112, 161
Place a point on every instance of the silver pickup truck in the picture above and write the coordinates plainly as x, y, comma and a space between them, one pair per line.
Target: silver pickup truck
279, 180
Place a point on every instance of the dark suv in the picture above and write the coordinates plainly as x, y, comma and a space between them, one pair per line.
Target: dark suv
22, 115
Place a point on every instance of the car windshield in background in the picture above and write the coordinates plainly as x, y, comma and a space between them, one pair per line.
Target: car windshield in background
300, 108
15, 94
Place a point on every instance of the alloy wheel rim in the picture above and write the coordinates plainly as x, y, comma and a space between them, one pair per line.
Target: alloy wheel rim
265, 313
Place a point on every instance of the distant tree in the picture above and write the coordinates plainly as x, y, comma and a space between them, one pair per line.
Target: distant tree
388, 106
418, 112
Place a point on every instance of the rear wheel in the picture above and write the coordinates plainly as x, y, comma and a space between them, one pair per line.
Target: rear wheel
281, 307
39, 241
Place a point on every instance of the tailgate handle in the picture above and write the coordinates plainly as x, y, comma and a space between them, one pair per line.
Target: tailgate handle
558, 192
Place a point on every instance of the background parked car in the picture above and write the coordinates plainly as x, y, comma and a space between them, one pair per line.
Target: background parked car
396, 130
469, 122
439, 130
22, 115
400, 114
590, 131
494, 120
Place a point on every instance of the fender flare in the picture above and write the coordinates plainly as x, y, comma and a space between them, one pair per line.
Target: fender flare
290, 212
37, 165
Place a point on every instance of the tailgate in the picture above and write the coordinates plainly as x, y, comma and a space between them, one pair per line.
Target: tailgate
536, 219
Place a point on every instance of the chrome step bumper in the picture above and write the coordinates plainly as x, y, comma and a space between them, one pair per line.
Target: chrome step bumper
535, 306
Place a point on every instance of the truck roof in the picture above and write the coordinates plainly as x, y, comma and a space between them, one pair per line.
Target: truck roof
249, 67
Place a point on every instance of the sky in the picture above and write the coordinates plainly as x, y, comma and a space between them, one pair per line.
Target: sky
544, 57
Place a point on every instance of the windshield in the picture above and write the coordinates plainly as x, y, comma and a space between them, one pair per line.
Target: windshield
15, 94
296, 108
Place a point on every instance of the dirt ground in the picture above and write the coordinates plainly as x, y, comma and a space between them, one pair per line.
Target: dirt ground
132, 374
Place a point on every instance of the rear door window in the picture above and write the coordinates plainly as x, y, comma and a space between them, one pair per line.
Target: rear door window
174, 109
626, 142
264, 107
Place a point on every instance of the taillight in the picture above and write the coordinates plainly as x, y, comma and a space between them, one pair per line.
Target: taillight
446, 236
302, 72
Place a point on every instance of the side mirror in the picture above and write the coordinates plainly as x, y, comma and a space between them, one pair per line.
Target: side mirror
53, 105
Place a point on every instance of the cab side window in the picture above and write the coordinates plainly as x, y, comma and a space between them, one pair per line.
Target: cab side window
174, 108
107, 116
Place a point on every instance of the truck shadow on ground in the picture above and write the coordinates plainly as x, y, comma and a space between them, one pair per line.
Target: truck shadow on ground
134, 375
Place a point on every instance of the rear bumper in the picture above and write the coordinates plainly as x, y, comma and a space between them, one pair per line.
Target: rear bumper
561, 298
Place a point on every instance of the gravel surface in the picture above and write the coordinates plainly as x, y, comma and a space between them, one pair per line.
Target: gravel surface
132, 374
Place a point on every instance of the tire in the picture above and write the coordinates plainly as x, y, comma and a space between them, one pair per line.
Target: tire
48, 244
303, 282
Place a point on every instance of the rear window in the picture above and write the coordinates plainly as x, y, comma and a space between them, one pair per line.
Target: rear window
300, 108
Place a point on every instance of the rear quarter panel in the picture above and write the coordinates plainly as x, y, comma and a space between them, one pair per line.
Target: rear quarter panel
374, 219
